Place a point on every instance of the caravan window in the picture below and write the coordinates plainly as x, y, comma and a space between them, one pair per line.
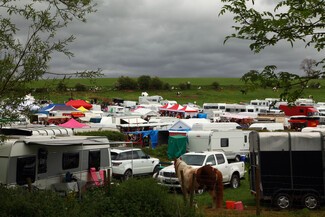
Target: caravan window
26, 169
224, 142
94, 159
70, 161
245, 138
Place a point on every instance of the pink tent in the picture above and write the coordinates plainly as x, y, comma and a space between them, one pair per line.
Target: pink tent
72, 123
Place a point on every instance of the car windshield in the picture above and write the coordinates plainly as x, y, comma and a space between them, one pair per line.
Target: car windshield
194, 160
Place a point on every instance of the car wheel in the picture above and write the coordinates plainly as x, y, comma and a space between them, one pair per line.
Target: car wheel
235, 181
283, 201
127, 174
310, 201
237, 158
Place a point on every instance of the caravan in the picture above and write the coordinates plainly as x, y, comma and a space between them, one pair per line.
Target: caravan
45, 162
234, 143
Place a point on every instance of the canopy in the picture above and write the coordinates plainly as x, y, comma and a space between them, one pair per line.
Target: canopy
72, 123
78, 103
189, 109
175, 107
82, 109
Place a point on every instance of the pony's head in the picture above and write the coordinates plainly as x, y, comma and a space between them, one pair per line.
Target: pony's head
177, 162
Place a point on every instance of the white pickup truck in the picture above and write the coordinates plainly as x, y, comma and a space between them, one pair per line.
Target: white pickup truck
231, 172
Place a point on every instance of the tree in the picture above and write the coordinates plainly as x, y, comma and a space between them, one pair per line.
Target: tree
28, 38
290, 21
156, 83
215, 85
126, 83
308, 65
144, 82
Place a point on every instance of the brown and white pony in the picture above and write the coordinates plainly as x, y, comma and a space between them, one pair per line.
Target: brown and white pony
206, 177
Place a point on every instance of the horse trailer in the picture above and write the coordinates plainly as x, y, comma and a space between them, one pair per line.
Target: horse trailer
287, 168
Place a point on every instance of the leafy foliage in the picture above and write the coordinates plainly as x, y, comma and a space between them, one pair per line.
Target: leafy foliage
134, 197
111, 135
290, 21
26, 48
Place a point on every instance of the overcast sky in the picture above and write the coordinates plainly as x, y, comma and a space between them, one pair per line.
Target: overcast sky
168, 38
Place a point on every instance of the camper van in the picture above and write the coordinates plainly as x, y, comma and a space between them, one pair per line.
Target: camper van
50, 162
234, 143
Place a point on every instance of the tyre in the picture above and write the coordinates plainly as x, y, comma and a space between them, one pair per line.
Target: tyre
283, 201
235, 181
127, 174
310, 201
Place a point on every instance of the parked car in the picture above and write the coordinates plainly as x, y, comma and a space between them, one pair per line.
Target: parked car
232, 172
127, 162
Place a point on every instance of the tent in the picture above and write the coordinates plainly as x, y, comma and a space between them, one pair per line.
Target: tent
72, 123
186, 124
176, 107
82, 109
56, 107
78, 103
176, 146
189, 109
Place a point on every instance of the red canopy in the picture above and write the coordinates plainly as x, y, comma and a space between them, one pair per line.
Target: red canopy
72, 123
78, 103
175, 107
189, 109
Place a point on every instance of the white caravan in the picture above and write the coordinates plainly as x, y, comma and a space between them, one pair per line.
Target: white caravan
45, 161
267, 126
217, 126
234, 143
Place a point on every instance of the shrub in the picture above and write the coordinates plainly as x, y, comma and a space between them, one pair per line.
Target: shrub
111, 135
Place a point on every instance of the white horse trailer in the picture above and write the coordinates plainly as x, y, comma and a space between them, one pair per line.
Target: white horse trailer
45, 161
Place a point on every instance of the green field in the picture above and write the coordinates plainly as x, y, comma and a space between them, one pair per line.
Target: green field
201, 91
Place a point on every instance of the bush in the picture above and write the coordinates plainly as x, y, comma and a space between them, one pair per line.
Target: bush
135, 197
111, 135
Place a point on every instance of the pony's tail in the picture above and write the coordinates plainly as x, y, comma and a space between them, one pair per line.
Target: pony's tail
219, 189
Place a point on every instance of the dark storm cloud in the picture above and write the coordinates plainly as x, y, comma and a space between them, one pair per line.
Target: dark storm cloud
167, 38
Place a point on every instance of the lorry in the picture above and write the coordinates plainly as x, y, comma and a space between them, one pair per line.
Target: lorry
293, 110
287, 168
232, 173
234, 143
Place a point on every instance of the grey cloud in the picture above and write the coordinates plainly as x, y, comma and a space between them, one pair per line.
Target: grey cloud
166, 38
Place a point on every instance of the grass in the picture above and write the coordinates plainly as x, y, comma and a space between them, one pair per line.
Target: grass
230, 92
